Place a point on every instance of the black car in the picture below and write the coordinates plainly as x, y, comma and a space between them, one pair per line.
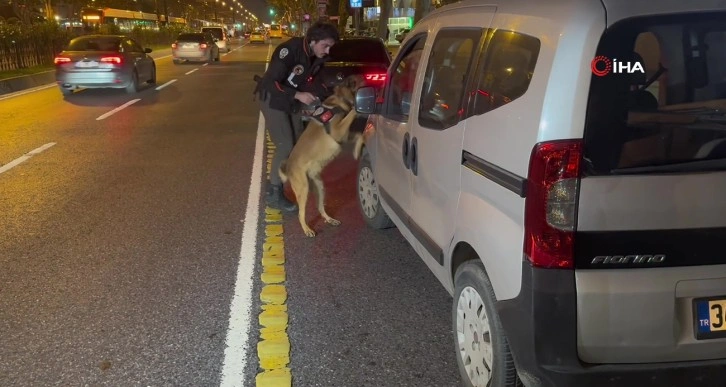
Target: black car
366, 56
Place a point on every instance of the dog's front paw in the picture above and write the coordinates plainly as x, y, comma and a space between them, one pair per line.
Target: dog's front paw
309, 232
334, 222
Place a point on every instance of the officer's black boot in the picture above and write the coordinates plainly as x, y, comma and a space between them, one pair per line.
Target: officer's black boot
276, 199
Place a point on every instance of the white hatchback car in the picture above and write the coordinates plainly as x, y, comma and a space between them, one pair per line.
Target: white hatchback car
560, 167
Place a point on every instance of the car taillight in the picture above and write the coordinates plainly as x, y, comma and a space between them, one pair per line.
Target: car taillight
111, 59
61, 60
376, 77
551, 204
173, 45
203, 46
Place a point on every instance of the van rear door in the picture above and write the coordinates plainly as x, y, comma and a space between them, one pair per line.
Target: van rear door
650, 267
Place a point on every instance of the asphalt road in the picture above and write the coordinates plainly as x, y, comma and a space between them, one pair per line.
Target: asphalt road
121, 248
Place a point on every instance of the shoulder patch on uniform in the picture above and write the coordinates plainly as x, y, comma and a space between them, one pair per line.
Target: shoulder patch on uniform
283, 53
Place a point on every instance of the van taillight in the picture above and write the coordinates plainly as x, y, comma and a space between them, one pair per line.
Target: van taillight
551, 204
203, 46
174, 45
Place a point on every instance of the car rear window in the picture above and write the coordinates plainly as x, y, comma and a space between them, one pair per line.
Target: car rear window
190, 37
216, 32
95, 44
658, 96
359, 50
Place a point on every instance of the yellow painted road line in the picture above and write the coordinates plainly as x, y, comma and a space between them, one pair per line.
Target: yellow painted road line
273, 348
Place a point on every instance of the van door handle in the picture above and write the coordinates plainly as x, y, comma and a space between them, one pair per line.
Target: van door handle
405, 151
414, 157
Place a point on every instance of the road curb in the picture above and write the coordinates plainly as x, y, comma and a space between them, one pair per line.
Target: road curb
15, 84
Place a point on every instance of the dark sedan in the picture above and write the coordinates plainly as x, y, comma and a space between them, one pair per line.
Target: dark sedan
104, 61
365, 56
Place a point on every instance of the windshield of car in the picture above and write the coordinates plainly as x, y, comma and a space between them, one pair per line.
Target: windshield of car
95, 44
359, 50
658, 97
215, 31
190, 38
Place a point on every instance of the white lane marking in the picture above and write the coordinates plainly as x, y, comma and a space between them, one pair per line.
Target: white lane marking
269, 54
189, 72
166, 84
236, 352
205, 64
118, 109
27, 91
25, 157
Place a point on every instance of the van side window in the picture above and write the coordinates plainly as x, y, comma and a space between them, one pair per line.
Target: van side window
446, 76
505, 70
403, 79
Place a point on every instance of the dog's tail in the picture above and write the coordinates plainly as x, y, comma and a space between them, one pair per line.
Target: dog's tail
283, 171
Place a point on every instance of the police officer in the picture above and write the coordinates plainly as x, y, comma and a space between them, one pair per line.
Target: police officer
289, 83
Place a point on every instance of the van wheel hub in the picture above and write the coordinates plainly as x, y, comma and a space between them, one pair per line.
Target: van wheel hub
474, 337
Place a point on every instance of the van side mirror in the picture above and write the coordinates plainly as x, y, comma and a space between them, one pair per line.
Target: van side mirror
147, 50
365, 100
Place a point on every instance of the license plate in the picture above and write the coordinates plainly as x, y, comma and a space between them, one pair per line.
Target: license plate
188, 45
87, 64
710, 316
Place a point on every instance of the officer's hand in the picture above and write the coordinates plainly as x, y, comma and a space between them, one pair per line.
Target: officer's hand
305, 97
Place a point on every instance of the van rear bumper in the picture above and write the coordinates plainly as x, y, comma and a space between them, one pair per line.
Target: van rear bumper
541, 327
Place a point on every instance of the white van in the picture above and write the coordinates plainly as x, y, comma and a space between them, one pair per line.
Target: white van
560, 167
221, 37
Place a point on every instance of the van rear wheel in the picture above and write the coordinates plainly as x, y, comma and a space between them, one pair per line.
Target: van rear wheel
482, 351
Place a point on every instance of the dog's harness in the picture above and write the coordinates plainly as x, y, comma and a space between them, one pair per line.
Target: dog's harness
324, 114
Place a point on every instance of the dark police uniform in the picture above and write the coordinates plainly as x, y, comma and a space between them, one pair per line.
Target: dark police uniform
292, 68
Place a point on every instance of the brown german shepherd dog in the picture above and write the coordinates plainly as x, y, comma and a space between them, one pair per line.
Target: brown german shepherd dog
317, 147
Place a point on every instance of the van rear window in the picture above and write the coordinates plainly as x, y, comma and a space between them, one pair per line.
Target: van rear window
658, 97
215, 31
